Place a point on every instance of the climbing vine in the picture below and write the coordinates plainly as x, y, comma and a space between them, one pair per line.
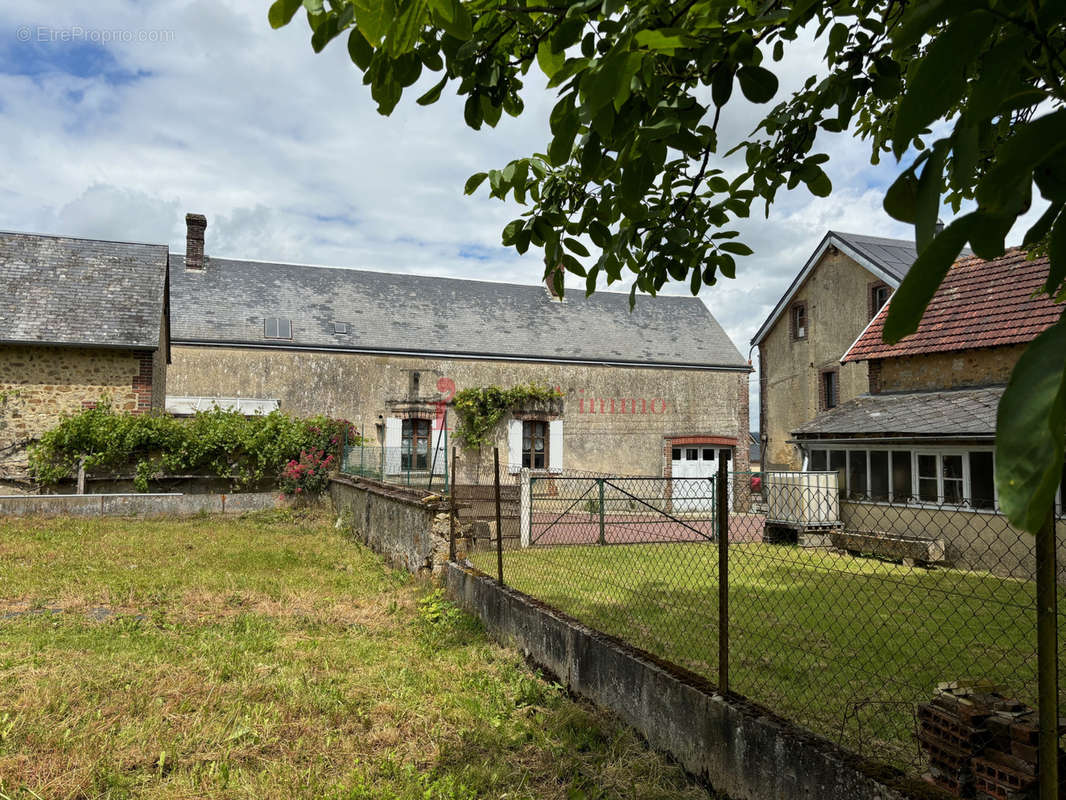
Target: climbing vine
247, 450
480, 409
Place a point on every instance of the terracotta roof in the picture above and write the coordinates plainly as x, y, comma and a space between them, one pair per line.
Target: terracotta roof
979, 304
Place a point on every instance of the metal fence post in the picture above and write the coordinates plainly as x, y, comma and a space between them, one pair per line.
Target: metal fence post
499, 526
603, 538
451, 515
721, 504
1047, 658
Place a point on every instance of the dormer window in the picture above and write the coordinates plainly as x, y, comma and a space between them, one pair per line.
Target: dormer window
341, 327
277, 328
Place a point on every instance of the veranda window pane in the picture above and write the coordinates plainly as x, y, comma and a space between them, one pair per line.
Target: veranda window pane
879, 475
928, 490
818, 461
952, 465
901, 476
982, 481
857, 473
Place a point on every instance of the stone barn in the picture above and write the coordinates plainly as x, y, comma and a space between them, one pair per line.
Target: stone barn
656, 391
81, 321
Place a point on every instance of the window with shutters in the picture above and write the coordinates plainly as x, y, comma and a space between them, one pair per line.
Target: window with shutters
414, 447
535, 444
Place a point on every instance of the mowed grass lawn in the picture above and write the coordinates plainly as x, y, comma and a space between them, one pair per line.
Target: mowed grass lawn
270, 657
842, 645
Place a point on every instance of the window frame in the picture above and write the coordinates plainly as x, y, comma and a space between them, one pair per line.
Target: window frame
798, 333
826, 377
528, 459
913, 498
410, 432
876, 288
277, 321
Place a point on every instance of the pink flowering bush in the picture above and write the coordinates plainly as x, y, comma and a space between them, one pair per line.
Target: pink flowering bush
309, 476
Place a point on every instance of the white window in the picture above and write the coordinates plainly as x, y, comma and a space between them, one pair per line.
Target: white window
535, 444
949, 476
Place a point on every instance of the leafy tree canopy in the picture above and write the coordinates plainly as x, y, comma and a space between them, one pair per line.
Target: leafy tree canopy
967, 95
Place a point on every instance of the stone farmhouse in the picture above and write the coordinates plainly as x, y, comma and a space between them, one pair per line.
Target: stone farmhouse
921, 437
844, 283
658, 391
80, 321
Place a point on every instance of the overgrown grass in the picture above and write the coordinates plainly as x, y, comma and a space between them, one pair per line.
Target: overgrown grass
268, 657
844, 646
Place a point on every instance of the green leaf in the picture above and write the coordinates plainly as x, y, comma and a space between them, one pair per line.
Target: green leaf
373, 18
923, 279
722, 85
663, 41
472, 112
282, 12
575, 246
901, 199
927, 206
550, 62
940, 79
405, 29
600, 88
739, 248
359, 49
1031, 429
433, 95
1004, 186
1042, 227
474, 181
758, 84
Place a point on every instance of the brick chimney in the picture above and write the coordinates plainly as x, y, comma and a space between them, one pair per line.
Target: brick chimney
195, 225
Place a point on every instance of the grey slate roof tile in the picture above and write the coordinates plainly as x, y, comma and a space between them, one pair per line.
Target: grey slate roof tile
228, 302
66, 291
954, 413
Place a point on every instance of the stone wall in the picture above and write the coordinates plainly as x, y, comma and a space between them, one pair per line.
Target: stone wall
44, 384
935, 371
410, 531
837, 297
616, 419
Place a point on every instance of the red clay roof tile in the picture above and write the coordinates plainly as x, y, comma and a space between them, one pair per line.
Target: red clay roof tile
979, 304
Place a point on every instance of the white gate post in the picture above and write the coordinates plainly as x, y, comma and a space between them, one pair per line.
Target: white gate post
525, 511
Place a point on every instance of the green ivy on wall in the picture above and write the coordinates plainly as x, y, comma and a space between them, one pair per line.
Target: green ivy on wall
480, 409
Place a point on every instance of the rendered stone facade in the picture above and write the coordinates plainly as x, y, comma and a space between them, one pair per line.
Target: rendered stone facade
616, 419
987, 366
836, 311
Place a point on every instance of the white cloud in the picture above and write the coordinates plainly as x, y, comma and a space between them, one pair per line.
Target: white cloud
285, 153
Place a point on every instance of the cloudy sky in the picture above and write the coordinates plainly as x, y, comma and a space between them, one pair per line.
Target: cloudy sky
118, 116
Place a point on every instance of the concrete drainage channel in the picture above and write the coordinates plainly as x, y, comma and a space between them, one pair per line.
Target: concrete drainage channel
738, 748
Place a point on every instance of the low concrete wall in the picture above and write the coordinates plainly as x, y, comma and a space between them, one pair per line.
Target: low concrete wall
740, 749
406, 526
130, 505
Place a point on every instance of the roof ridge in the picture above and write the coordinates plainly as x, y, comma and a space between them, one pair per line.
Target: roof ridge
82, 238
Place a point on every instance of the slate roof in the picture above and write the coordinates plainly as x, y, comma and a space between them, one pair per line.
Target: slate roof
979, 304
65, 291
957, 413
228, 302
888, 259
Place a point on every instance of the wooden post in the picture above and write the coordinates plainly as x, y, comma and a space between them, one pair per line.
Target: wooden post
1047, 659
499, 526
451, 503
721, 503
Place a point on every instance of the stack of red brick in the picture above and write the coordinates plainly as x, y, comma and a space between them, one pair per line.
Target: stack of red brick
980, 744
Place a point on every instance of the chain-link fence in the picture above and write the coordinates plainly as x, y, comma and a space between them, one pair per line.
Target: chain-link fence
905, 631
405, 466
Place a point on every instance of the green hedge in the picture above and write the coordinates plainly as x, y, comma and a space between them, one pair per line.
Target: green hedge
227, 444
